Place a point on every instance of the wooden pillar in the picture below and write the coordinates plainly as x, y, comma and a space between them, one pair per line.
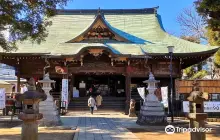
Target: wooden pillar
180, 68
128, 93
18, 75
71, 86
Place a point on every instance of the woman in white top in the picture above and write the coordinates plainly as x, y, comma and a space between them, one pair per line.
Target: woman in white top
91, 104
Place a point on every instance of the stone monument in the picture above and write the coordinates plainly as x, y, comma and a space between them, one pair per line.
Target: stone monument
48, 108
196, 114
30, 114
152, 110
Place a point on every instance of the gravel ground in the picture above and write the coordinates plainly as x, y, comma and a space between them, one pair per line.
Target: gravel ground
44, 134
145, 134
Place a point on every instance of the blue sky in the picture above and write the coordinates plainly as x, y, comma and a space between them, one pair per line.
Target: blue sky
168, 9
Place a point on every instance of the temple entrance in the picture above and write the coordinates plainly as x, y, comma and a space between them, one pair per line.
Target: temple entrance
105, 85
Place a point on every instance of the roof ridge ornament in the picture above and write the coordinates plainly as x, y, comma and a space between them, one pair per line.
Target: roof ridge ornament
99, 11
155, 10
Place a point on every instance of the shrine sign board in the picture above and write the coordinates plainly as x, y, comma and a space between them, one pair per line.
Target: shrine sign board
65, 93
208, 106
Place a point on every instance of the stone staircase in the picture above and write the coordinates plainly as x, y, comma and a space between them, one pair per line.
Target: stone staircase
109, 103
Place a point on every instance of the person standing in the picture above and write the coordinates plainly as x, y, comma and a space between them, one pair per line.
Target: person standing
91, 104
99, 100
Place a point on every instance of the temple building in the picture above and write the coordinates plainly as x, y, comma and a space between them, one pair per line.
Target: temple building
111, 51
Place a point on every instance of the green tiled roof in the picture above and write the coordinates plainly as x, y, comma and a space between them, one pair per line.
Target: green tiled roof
144, 29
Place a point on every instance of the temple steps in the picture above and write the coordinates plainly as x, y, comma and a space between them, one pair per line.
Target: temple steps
108, 103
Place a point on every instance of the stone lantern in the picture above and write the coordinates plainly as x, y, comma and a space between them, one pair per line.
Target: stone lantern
196, 114
48, 108
30, 114
152, 110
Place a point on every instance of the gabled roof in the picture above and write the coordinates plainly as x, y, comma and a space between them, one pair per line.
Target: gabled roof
99, 23
141, 28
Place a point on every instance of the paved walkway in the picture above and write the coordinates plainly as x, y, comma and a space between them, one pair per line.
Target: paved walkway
105, 125
111, 125
100, 126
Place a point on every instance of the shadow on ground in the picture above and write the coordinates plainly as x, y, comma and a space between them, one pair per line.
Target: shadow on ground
9, 124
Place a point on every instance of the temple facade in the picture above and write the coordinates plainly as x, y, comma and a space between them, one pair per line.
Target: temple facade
112, 51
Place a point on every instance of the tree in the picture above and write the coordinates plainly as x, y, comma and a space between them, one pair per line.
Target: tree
191, 39
189, 72
26, 19
213, 37
192, 25
209, 10
195, 71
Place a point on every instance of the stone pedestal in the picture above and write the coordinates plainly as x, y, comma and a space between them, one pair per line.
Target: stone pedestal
152, 111
48, 107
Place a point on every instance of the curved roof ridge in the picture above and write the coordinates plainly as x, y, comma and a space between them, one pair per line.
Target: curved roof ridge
152, 10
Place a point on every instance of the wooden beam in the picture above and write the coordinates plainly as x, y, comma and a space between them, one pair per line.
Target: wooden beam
18, 75
72, 85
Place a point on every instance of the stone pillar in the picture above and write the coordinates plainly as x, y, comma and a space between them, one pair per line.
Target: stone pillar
196, 114
29, 131
128, 93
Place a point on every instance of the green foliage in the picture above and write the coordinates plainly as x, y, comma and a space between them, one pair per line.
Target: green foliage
210, 10
213, 37
199, 74
26, 19
217, 59
214, 40
189, 72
